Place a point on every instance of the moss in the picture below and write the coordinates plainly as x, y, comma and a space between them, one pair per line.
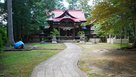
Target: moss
96, 75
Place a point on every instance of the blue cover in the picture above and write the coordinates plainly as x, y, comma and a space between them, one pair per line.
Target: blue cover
17, 44
83, 27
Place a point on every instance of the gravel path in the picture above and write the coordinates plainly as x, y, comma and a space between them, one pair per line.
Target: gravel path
63, 64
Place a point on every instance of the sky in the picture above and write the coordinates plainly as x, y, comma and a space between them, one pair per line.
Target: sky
66, 3
2, 1
90, 2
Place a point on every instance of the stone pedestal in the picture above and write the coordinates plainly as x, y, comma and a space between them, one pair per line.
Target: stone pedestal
82, 38
54, 40
81, 41
42, 38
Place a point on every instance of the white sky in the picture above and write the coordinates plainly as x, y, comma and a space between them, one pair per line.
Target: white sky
90, 2
66, 4
2, 1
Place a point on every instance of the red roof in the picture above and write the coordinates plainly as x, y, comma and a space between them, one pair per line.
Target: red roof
75, 15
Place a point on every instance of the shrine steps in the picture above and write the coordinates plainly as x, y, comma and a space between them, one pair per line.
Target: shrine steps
68, 41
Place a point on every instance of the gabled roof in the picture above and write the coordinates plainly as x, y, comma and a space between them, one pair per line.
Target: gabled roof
75, 15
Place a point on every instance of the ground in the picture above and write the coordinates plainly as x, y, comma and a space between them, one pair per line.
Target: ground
104, 60
97, 60
63, 64
20, 62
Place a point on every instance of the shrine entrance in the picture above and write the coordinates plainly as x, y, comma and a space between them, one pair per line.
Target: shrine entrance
66, 33
67, 29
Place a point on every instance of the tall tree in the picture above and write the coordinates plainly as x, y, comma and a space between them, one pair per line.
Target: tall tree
59, 4
10, 23
21, 18
39, 11
72, 4
29, 15
2, 12
85, 6
3, 33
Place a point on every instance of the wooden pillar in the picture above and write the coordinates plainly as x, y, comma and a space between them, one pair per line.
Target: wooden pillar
74, 32
59, 34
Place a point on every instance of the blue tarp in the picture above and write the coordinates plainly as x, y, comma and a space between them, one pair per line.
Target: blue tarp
19, 43
83, 27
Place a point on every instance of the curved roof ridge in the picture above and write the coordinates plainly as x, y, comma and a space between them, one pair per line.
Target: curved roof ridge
76, 14
65, 14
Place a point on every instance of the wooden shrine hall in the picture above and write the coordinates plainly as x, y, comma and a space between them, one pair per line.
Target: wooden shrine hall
67, 22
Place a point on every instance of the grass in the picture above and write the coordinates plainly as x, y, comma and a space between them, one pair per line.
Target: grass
21, 63
48, 45
103, 60
96, 75
84, 68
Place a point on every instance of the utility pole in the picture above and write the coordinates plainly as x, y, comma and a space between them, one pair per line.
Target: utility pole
10, 23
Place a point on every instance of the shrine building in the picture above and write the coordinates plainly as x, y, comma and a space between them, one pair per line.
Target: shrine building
68, 22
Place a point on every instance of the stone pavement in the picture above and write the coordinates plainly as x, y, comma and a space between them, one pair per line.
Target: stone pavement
63, 64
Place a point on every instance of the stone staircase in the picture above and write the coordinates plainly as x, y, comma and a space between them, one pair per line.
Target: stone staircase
68, 41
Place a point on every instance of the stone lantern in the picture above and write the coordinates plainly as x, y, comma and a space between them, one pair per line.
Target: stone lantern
54, 40
95, 36
42, 37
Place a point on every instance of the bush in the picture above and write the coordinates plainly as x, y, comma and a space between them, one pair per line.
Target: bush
3, 38
1, 43
54, 32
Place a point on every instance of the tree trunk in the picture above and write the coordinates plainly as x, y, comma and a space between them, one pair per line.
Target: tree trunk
10, 24
134, 43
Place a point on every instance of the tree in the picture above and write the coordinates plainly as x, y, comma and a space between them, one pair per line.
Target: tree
29, 15
21, 18
86, 8
59, 4
112, 15
10, 23
3, 35
2, 13
72, 4
39, 11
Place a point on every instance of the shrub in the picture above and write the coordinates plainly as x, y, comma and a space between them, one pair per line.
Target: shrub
1, 43
3, 38
81, 32
55, 32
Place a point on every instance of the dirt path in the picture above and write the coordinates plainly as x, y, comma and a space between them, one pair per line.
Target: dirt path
64, 64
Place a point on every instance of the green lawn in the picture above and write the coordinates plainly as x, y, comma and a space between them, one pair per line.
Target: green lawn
21, 63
